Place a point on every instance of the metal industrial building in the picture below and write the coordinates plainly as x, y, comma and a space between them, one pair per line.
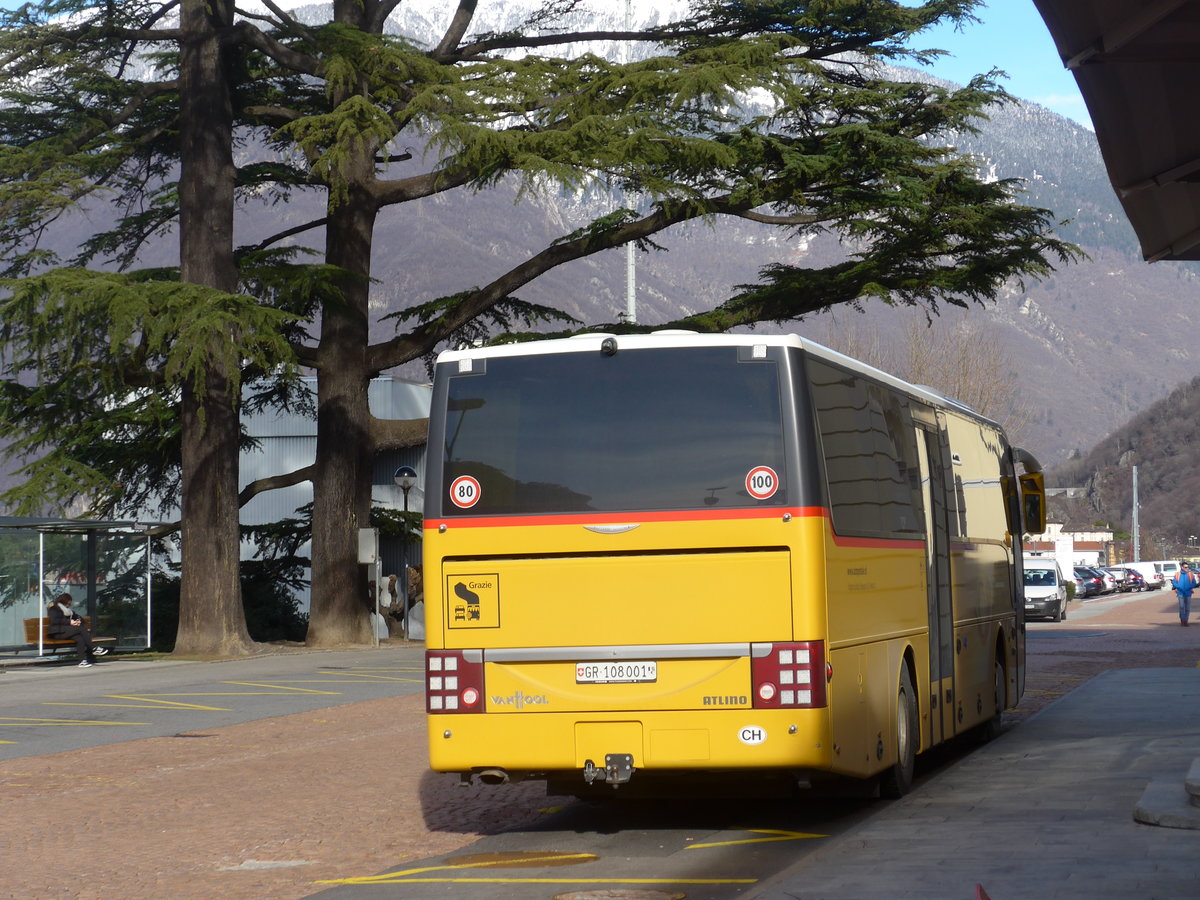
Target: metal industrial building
288, 441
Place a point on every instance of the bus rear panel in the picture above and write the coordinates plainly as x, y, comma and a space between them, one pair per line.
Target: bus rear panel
632, 569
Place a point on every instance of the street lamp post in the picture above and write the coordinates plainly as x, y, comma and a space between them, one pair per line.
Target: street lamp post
406, 479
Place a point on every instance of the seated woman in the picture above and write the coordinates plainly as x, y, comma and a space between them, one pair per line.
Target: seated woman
66, 623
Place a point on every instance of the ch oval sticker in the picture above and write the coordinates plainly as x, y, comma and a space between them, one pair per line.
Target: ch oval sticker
753, 735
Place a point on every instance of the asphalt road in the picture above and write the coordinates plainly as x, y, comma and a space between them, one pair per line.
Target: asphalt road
698, 846
711, 849
49, 708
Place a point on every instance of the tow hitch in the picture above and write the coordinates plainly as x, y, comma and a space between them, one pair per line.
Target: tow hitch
618, 769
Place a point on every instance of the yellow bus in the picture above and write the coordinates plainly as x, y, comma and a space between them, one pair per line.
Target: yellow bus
677, 554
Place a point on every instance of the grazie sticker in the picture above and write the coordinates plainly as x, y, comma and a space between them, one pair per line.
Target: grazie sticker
762, 482
464, 491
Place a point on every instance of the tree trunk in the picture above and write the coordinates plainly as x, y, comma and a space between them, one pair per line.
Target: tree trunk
212, 621
345, 450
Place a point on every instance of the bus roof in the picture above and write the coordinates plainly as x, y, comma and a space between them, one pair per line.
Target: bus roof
591, 342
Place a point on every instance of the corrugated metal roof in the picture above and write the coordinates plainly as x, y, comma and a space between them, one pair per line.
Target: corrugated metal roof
389, 398
1136, 64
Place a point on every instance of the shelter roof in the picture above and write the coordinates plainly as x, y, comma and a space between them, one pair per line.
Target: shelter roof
1137, 64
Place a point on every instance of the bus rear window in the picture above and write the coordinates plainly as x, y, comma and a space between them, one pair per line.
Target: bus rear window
653, 429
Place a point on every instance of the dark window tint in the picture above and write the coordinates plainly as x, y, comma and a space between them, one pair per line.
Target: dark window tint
870, 453
642, 430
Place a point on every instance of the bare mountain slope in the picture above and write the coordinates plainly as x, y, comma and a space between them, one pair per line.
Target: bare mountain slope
1090, 346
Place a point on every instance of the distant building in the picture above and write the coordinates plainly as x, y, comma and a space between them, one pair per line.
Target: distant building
1089, 548
288, 441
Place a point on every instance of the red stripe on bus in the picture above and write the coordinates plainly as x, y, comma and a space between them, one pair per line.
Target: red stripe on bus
690, 515
889, 543
681, 516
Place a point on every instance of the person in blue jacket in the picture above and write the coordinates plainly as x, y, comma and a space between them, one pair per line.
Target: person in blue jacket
1184, 582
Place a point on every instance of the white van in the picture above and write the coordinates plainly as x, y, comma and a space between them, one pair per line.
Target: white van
1151, 573
1169, 569
1045, 588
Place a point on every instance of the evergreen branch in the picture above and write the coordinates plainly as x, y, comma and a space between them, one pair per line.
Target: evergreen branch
281, 113
250, 35
459, 23
422, 339
274, 482
388, 193
383, 10
811, 219
285, 234
290, 24
479, 49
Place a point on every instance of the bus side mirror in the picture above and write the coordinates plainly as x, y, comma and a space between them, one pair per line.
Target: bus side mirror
1033, 502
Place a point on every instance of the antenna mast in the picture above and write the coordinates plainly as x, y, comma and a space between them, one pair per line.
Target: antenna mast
630, 270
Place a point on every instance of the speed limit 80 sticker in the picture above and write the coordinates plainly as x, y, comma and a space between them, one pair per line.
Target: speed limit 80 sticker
762, 482
464, 491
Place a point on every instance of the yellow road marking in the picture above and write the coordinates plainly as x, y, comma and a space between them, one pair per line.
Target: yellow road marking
148, 701
543, 881
405, 876
231, 694
284, 687
346, 679
47, 722
776, 835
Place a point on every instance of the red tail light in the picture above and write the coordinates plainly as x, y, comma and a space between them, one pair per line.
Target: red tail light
454, 681
788, 676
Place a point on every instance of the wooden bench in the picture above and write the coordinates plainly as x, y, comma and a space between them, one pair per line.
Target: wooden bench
31, 635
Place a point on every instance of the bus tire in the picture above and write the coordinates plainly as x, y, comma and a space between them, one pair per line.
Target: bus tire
896, 780
990, 730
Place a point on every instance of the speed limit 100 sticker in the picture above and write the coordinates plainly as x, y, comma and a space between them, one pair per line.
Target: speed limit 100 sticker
762, 482
464, 491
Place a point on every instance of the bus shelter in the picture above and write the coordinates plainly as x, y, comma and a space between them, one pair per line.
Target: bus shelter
104, 565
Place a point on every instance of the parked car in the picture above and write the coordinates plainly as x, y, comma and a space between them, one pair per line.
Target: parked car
1110, 580
1045, 589
1152, 578
1127, 579
1108, 584
1092, 583
1133, 579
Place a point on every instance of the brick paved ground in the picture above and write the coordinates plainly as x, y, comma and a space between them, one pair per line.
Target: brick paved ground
344, 791
1097, 636
268, 808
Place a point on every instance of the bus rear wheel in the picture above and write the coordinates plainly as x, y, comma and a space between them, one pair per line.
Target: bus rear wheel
896, 781
990, 730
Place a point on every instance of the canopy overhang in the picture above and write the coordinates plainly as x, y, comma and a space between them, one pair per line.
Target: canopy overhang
1136, 64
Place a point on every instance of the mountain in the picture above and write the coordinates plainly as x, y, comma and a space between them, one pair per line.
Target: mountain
1090, 346
1163, 444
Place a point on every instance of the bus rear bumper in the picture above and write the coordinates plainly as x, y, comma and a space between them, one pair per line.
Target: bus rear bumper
517, 746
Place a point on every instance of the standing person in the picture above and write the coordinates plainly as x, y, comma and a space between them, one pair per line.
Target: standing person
1184, 583
66, 623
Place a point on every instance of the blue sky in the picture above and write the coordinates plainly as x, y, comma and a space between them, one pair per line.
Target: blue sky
1011, 36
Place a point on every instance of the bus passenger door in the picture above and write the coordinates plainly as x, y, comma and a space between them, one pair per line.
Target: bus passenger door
937, 559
